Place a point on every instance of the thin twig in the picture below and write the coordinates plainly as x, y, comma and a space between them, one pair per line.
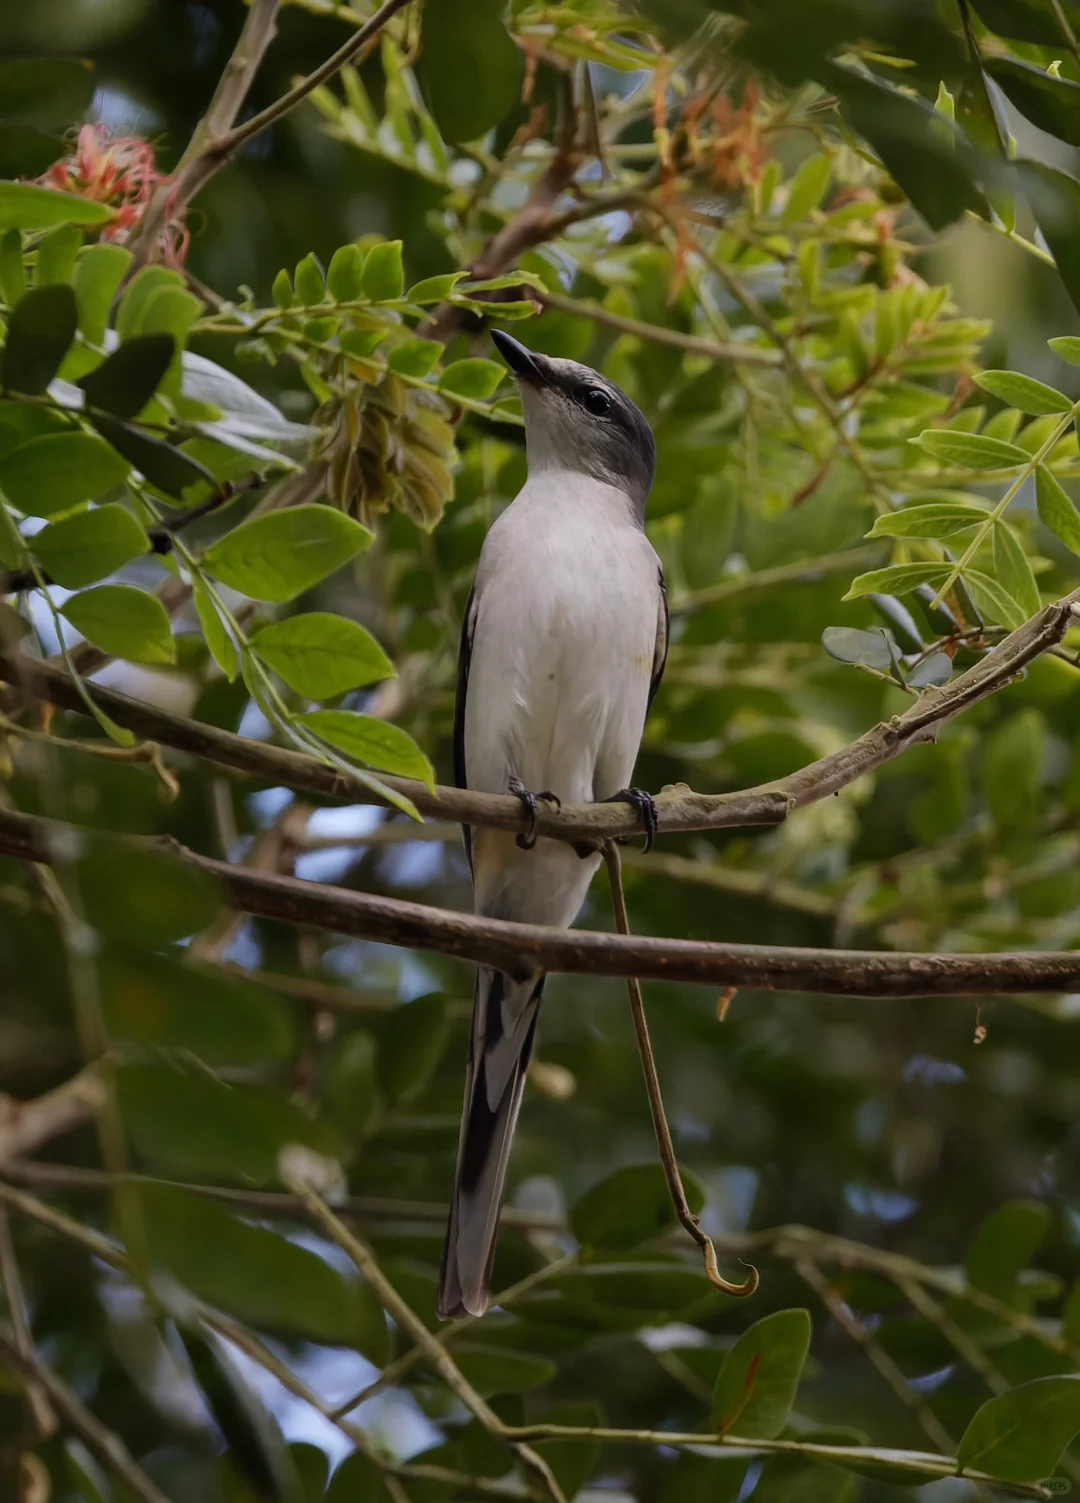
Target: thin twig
404, 1364
26, 1125
656, 1102
162, 538
693, 344
910, 1397
40, 1409
434, 1351
105, 1443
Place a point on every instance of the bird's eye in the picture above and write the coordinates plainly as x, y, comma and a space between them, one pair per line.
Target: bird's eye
597, 402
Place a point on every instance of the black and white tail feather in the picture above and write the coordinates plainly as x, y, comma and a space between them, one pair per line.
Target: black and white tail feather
503, 1030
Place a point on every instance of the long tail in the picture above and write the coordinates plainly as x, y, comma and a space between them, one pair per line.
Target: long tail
504, 1024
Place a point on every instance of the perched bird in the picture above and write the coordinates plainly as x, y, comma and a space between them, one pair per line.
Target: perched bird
562, 649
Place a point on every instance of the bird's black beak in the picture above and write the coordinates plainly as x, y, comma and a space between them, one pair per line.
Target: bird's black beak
525, 365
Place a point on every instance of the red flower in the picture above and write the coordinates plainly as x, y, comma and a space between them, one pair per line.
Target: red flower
119, 171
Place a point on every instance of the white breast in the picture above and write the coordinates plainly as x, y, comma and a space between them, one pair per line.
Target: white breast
567, 598
567, 595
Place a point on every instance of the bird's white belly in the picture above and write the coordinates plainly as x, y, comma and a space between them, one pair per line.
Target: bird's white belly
559, 680
558, 689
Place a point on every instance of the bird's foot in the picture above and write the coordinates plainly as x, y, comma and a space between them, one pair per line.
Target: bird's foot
644, 806
527, 839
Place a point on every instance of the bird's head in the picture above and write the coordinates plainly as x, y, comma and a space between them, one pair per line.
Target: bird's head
576, 419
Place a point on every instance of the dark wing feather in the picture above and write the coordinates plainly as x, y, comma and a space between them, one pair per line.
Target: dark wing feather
663, 623
468, 625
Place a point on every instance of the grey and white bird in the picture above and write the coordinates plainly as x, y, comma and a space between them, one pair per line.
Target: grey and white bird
562, 649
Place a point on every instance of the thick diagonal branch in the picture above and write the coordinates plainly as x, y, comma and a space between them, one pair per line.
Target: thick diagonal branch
679, 808
525, 949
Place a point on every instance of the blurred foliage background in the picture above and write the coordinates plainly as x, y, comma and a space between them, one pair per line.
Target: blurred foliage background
797, 234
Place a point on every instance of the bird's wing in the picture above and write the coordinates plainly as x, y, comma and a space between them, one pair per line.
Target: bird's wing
468, 627
663, 622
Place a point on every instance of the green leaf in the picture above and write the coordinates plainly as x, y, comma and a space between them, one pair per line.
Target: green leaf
807, 188
897, 579
124, 383
352, 1092
278, 556
25, 206
170, 311
344, 276
1055, 199
937, 520
220, 644
411, 1044
98, 273
147, 281
847, 644
85, 548
192, 1126
756, 1387
416, 357
142, 896
373, 742
309, 282
493, 1370
790, 1479
45, 90
1053, 104
1013, 571
1033, 397
124, 622
1066, 348
629, 1207
26, 151
91, 1482
40, 333
256, 1453
932, 672
473, 379
357, 1480
12, 270
262, 1278
1005, 1244
927, 155
169, 469
971, 450
992, 600
163, 1002
58, 471
383, 277
1056, 509
282, 291
56, 255
435, 289
1020, 1435
1012, 768
471, 69
321, 655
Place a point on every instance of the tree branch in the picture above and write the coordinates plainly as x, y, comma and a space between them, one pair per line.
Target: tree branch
524, 949
216, 139
104, 1442
679, 808
161, 537
434, 1352
197, 165
26, 1125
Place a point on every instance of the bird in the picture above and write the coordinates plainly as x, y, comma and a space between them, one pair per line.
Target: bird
563, 646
